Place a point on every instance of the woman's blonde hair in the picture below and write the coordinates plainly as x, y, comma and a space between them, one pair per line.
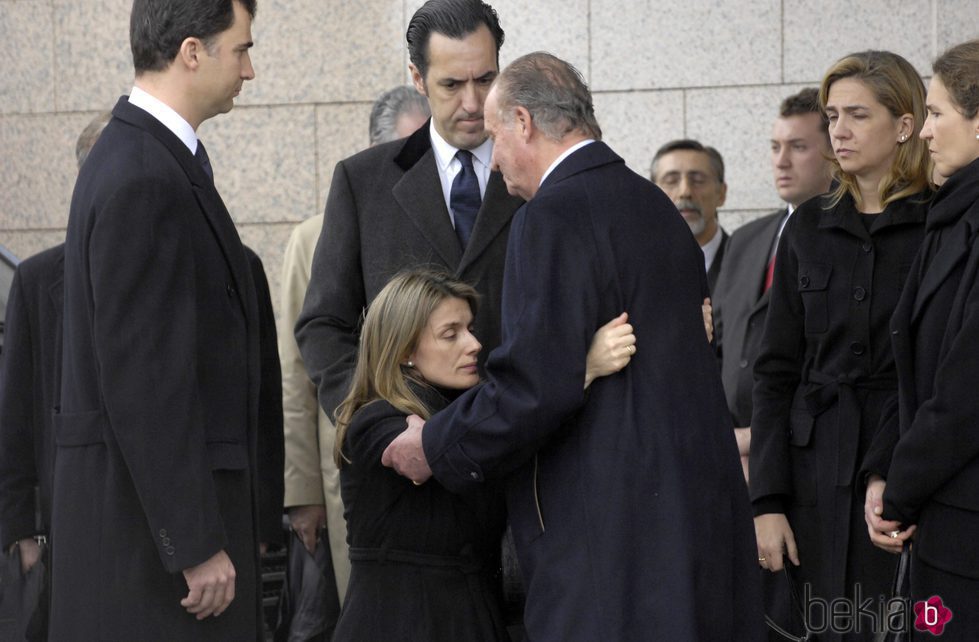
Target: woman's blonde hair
898, 87
392, 326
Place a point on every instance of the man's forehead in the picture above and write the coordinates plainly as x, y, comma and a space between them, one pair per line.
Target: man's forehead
476, 45
797, 126
686, 161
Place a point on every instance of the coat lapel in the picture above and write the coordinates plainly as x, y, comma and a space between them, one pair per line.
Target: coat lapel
419, 193
954, 250
207, 196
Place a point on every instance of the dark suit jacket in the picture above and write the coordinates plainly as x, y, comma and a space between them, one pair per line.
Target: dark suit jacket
385, 213
156, 440
30, 381
715, 267
650, 446
740, 306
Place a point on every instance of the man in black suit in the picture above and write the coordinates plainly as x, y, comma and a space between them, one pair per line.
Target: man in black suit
801, 169
692, 175
429, 199
155, 521
626, 506
30, 384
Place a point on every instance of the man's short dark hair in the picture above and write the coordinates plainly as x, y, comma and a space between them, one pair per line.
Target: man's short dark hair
158, 27
403, 99
802, 103
453, 19
716, 160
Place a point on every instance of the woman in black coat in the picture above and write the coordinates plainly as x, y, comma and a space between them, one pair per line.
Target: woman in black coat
932, 477
425, 562
826, 372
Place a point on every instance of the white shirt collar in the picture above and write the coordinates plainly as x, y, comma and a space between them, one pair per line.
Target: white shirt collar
446, 153
166, 115
711, 247
567, 152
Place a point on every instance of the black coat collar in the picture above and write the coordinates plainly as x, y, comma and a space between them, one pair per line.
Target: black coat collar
906, 211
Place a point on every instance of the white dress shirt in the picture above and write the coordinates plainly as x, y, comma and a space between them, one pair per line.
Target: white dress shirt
711, 247
448, 165
166, 115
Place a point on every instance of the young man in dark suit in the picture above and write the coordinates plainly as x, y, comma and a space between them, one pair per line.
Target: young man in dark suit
627, 510
155, 527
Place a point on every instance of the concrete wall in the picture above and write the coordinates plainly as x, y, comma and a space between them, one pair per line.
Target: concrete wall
659, 70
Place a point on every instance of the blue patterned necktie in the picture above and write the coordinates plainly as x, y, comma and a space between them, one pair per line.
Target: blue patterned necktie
464, 198
201, 156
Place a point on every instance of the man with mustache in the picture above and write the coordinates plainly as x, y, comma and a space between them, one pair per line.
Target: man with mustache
692, 175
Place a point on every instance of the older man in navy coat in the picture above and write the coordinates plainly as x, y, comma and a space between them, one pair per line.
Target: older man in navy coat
630, 516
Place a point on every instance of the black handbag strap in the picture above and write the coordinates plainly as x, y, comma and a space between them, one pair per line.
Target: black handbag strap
796, 605
899, 588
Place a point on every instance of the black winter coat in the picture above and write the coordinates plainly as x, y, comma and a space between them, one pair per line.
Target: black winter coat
156, 465
424, 562
628, 506
933, 475
823, 379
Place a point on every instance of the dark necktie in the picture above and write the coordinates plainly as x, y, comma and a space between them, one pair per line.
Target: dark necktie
201, 156
464, 197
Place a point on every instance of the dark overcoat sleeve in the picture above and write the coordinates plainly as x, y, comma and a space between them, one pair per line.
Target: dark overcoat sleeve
18, 474
327, 327
943, 438
777, 375
535, 379
271, 445
140, 274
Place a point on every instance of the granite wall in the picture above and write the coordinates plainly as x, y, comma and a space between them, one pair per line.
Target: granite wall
659, 70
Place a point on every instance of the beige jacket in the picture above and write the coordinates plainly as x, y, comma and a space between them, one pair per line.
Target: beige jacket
311, 476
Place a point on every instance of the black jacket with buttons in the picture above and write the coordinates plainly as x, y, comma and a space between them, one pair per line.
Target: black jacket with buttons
825, 372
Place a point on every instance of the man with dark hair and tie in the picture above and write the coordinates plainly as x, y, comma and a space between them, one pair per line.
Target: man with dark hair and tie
429, 199
155, 518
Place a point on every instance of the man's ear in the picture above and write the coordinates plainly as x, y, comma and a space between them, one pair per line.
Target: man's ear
190, 52
523, 122
418, 80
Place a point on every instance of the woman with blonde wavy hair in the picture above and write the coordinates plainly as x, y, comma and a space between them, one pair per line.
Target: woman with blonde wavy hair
425, 562
825, 375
